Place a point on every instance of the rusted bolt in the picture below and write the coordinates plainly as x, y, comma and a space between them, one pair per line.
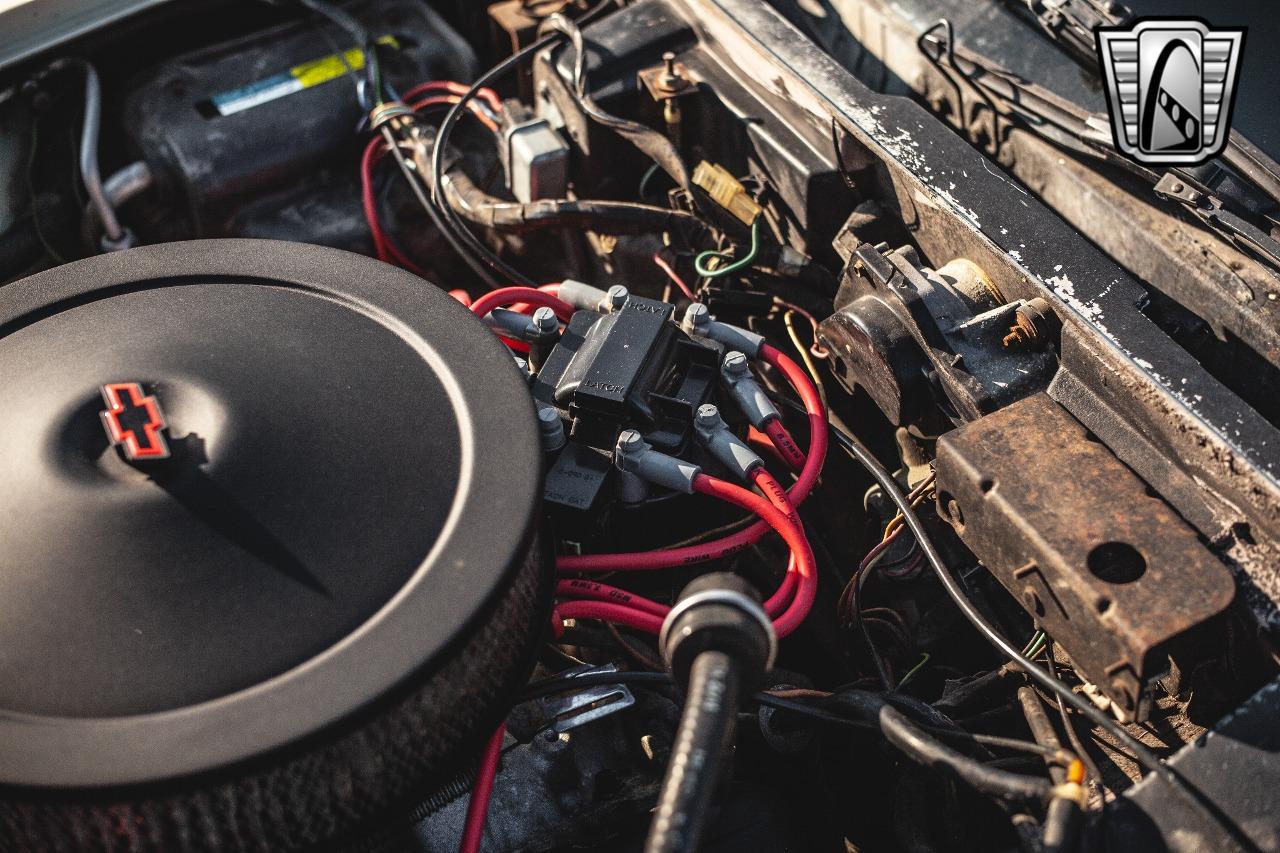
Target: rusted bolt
1034, 324
670, 80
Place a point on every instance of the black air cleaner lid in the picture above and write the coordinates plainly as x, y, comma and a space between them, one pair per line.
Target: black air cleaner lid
352, 476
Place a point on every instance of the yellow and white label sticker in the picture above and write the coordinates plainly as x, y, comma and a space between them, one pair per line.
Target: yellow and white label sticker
297, 78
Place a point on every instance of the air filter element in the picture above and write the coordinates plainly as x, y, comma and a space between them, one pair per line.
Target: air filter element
270, 567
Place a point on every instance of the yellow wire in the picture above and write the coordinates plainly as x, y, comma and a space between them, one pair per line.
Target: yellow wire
805, 356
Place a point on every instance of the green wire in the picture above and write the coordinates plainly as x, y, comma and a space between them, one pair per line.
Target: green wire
1035, 644
700, 262
924, 659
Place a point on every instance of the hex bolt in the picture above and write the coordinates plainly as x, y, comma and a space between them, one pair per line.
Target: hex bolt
551, 429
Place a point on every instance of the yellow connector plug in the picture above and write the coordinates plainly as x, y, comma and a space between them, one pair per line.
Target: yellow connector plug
726, 191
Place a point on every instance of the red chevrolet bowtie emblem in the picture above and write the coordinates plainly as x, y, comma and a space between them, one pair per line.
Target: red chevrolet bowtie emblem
133, 421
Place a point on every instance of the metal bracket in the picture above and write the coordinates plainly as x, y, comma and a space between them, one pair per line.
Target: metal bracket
568, 711
1210, 210
1102, 564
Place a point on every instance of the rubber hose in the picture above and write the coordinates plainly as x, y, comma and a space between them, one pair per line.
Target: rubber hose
705, 734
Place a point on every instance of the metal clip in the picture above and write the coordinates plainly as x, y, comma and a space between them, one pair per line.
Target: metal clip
568, 711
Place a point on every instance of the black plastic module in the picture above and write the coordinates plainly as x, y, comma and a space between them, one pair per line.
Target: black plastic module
632, 368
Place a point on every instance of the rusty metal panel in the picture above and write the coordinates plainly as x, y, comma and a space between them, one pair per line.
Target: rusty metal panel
1104, 565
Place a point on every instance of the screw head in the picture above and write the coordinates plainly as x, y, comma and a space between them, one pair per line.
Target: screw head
629, 440
616, 297
696, 316
735, 364
708, 416
544, 321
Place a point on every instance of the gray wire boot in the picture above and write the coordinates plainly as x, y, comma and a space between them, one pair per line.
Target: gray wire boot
746, 392
698, 321
729, 450
513, 323
634, 455
550, 429
542, 332
584, 297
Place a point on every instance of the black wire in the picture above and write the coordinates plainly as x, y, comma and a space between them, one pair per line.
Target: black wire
1095, 775
1141, 753
564, 683
347, 22
457, 229
433, 211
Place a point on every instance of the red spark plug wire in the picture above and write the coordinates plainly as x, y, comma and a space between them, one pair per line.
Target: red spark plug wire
803, 566
733, 543
505, 296
581, 588
786, 446
791, 604
481, 792
619, 614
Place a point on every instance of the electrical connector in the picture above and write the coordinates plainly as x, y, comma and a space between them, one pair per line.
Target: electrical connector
751, 399
729, 450
634, 455
698, 321
726, 191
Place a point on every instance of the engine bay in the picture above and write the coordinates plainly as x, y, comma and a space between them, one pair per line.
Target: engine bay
658, 425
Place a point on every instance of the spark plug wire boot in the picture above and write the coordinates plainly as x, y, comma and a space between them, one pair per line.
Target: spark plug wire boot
551, 429
750, 398
542, 333
729, 450
634, 455
698, 321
